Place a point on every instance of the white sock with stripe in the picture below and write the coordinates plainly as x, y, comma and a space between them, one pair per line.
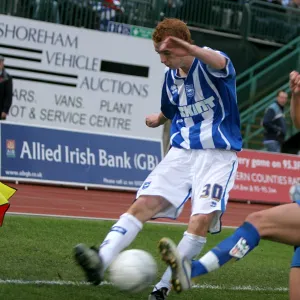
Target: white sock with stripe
120, 236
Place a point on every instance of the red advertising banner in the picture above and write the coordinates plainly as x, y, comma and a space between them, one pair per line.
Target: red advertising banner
265, 177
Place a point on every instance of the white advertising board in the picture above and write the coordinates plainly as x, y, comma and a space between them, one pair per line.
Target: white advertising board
80, 79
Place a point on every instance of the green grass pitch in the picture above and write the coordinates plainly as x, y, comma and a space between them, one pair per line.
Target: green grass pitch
36, 262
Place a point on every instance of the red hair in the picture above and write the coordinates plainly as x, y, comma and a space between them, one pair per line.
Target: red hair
171, 27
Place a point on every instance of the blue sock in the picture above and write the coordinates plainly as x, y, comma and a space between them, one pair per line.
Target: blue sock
243, 240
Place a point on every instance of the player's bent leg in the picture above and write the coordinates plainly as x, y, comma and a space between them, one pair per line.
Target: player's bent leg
294, 284
216, 170
280, 223
211, 199
163, 193
129, 225
121, 235
236, 246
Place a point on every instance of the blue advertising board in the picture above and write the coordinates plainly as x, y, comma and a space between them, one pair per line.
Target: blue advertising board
39, 154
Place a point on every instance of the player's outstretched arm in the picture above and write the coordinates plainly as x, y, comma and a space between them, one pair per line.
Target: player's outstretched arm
182, 48
155, 120
295, 102
209, 57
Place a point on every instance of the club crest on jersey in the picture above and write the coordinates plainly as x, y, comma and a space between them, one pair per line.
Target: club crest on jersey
146, 185
190, 91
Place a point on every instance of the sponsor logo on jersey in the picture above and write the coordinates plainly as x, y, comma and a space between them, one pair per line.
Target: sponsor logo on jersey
197, 108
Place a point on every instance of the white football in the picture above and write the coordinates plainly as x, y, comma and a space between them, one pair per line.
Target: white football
295, 192
133, 270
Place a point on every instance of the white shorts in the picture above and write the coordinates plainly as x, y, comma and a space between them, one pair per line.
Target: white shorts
207, 176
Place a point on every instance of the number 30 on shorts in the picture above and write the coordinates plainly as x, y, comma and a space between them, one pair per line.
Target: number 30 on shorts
215, 192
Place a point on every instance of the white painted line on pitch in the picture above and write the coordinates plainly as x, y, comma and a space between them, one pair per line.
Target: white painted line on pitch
44, 282
197, 286
97, 219
240, 288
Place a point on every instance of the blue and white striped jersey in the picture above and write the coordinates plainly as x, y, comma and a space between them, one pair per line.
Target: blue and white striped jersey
203, 107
